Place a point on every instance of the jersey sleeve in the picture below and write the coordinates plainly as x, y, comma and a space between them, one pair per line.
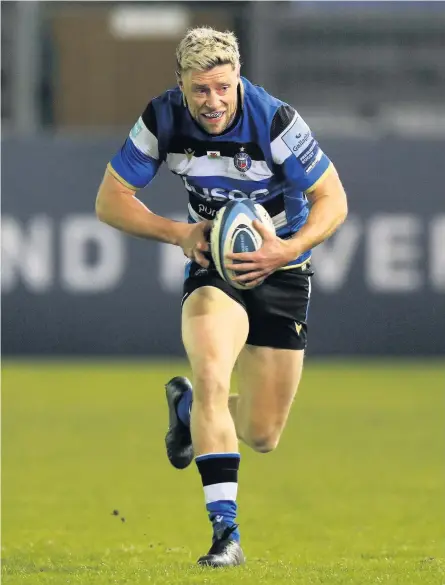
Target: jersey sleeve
138, 161
295, 149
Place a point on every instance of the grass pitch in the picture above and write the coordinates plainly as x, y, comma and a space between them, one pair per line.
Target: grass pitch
353, 495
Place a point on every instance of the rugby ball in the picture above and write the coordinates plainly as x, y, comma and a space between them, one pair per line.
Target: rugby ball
232, 231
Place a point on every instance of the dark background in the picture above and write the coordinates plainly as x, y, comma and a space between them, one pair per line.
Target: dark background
366, 78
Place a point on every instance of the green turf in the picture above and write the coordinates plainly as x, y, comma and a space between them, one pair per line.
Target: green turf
353, 495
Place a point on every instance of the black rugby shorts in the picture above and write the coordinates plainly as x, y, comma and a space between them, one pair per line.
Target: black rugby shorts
277, 309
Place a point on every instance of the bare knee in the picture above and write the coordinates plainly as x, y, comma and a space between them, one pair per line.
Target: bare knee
262, 442
210, 389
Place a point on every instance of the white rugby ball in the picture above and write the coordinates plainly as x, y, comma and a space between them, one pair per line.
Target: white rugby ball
233, 231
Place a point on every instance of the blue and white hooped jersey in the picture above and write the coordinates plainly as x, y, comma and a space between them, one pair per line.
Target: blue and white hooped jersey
269, 155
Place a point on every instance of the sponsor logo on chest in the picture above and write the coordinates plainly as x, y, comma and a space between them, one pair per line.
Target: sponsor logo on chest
220, 194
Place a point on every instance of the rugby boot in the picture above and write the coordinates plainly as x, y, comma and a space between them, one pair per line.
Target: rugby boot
178, 439
224, 552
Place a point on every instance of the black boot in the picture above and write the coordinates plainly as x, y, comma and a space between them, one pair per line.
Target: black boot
178, 439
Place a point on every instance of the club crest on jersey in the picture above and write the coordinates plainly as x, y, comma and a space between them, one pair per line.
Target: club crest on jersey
242, 161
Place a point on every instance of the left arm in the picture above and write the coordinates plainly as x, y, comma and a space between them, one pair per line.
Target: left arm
329, 209
305, 167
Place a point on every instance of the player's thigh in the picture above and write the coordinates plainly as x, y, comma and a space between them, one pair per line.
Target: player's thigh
270, 366
268, 380
214, 330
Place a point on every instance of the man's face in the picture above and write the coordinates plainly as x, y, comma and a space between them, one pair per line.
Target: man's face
211, 96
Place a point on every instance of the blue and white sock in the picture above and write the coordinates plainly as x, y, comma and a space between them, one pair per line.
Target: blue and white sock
219, 474
184, 407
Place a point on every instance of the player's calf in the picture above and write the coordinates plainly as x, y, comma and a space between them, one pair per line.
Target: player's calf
212, 426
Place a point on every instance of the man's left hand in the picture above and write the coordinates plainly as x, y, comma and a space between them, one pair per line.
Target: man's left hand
256, 266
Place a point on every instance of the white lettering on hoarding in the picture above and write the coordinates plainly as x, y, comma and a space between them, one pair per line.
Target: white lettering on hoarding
78, 275
27, 254
393, 253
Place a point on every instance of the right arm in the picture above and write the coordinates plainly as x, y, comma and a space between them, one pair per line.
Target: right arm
132, 168
117, 205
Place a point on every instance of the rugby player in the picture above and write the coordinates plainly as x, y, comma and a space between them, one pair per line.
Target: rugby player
228, 138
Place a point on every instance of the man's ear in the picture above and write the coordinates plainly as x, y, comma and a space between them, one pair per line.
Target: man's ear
181, 87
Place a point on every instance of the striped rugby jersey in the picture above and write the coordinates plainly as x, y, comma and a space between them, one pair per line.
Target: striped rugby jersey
268, 154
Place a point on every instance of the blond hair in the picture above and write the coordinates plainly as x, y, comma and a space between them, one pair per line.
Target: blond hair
204, 47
